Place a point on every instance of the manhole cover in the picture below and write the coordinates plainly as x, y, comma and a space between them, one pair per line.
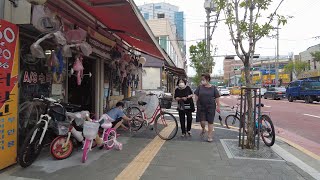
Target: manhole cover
234, 151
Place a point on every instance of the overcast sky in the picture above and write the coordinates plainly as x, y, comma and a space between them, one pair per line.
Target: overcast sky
296, 36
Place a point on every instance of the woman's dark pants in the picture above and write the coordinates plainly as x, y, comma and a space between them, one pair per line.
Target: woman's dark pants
182, 117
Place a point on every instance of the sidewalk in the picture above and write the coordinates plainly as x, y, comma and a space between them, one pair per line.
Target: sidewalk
147, 157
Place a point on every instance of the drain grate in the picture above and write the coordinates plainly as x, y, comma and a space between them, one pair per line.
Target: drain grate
234, 151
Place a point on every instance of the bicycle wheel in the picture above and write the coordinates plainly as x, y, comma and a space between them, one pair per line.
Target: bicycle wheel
109, 138
267, 132
31, 149
136, 115
166, 126
58, 151
86, 148
231, 120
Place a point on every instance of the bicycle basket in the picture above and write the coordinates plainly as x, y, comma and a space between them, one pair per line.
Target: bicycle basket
165, 103
57, 112
90, 130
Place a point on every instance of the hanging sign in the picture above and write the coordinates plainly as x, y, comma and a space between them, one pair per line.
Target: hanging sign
9, 59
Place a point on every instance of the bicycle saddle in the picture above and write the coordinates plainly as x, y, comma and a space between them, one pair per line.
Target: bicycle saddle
141, 103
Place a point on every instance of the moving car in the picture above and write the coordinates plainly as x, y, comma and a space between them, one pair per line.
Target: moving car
275, 93
224, 92
307, 90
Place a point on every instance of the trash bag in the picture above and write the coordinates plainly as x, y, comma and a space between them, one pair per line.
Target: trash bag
37, 51
59, 37
76, 36
66, 51
43, 20
86, 49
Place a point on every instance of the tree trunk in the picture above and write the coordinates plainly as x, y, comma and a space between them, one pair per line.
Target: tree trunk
250, 119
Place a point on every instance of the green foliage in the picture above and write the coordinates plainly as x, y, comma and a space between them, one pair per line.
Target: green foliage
296, 67
246, 27
199, 60
316, 56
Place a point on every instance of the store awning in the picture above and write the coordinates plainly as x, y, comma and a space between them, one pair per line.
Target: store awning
176, 71
123, 18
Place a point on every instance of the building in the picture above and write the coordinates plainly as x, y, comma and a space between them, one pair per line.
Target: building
262, 72
167, 11
105, 70
314, 67
232, 70
167, 39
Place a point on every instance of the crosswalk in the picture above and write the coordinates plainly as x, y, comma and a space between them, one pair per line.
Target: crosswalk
175, 113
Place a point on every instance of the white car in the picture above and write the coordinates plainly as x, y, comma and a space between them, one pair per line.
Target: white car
263, 90
224, 92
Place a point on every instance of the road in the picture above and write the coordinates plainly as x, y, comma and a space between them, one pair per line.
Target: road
295, 121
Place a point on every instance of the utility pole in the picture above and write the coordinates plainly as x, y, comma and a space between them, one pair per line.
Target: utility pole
277, 60
208, 39
209, 6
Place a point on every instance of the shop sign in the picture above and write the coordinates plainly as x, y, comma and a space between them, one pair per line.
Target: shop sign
310, 74
99, 41
9, 59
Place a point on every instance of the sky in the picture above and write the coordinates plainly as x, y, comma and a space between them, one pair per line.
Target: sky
296, 36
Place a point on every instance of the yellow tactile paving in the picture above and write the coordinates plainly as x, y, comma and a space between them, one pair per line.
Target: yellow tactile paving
141, 162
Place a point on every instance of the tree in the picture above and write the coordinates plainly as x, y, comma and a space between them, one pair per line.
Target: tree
199, 60
296, 67
245, 32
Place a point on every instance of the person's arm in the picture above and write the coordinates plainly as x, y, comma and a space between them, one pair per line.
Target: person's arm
190, 92
196, 94
176, 95
217, 97
126, 118
218, 104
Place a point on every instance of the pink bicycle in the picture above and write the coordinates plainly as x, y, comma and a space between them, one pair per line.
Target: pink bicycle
108, 136
164, 123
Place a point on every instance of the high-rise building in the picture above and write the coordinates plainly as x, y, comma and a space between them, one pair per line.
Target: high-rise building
167, 11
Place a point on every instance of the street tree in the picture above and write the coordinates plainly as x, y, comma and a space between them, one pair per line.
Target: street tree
296, 67
199, 60
316, 56
245, 21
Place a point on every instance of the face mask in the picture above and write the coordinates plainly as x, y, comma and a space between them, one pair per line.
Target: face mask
181, 85
204, 82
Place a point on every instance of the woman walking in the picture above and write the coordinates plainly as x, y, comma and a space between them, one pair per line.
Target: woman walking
207, 97
183, 95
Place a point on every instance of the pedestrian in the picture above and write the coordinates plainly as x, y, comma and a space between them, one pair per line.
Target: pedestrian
207, 98
183, 95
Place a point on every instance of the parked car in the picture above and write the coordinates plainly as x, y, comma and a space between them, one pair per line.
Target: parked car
263, 91
275, 93
224, 92
307, 90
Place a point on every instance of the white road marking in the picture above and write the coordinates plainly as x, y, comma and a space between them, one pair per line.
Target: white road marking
267, 106
312, 115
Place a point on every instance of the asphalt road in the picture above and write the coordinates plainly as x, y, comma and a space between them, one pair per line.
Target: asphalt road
295, 121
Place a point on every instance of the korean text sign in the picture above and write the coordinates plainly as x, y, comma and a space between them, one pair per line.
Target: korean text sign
9, 66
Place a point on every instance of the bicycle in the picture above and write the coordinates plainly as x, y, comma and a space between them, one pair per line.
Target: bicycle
90, 131
44, 131
164, 123
266, 128
70, 133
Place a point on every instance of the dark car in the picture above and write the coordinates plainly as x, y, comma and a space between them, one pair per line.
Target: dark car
275, 93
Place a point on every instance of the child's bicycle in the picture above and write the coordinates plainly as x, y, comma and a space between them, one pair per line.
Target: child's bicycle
90, 132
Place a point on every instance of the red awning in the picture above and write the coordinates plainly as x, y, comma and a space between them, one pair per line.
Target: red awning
121, 17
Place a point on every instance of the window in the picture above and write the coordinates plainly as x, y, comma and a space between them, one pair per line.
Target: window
146, 16
157, 7
161, 16
163, 42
